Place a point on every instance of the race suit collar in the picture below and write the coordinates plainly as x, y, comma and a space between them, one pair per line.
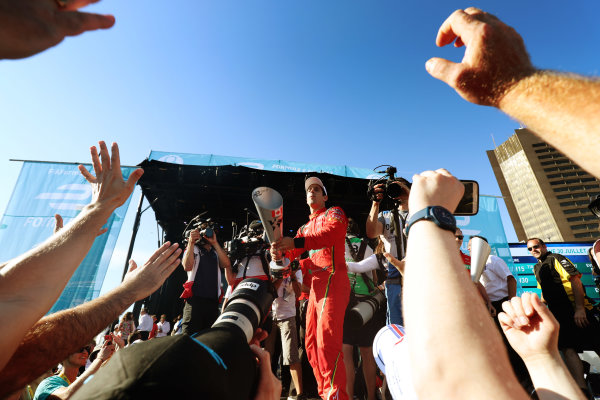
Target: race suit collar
317, 213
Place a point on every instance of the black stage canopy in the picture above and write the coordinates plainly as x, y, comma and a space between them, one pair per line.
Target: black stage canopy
177, 193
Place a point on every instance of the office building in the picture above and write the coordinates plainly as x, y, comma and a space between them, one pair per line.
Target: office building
546, 193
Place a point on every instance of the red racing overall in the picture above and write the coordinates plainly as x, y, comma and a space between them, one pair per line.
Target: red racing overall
324, 236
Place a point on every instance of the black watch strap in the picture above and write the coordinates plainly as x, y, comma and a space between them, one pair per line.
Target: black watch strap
437, 214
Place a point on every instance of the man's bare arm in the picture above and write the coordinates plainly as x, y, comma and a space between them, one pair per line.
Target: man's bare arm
460, 328
56, 336
374, 227
562, 109
31, 283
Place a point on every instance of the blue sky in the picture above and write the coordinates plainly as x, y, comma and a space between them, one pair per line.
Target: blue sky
332, 82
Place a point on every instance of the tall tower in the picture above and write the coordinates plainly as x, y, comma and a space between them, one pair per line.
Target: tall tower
546, 193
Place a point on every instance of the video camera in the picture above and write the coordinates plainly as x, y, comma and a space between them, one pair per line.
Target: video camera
247, 243
393, 188
206, 227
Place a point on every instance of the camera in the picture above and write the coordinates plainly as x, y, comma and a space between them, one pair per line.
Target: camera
248, 306
247, 243
396, 186
216, 363
362, 312
393, 187
206, 227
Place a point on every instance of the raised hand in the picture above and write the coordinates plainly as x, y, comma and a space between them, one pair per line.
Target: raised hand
28, 27
529, 326
495, 57
149, 277
108, 186
435, 188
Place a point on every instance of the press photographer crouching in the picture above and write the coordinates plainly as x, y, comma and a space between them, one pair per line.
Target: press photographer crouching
217, 363
202, 260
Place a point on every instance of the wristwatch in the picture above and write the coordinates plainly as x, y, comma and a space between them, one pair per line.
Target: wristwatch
439, 215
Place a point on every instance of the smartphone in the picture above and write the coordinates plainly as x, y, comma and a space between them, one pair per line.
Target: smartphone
469, 204
108, 338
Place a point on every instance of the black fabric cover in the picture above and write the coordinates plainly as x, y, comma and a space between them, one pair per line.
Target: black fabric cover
177, 367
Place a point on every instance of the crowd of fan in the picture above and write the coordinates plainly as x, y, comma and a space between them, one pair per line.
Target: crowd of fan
454, 349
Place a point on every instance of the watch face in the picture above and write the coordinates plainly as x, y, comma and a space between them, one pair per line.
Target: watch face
444, 216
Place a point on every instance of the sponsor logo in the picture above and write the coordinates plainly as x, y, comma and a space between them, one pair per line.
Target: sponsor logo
249, 285
73, 193
254, 165
289, 168
171, 158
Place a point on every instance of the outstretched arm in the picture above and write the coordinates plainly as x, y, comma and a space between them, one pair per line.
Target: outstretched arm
532, 331
562, 109
56, 336
31, 283
28, 27
460, 328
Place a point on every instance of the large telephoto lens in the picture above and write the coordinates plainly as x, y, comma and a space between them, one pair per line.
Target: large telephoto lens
247, 307
362, 312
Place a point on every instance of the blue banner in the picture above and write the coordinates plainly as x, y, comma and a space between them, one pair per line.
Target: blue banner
488, 223
45, 189
262, 164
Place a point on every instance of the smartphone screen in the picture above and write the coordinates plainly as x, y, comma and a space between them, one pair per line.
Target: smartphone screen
469, 204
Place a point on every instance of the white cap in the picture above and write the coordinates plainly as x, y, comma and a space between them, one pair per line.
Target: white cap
313, 180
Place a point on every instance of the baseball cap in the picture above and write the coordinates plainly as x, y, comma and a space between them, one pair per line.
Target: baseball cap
313, 180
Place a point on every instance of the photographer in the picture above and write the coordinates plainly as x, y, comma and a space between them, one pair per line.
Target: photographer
250, 255
381, 224
202, 261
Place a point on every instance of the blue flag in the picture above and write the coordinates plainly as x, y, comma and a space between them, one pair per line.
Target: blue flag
45, 189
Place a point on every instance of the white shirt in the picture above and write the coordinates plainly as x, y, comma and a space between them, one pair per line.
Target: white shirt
165, 327
387, 237
284, 306
145, 323
255, 267
494, 278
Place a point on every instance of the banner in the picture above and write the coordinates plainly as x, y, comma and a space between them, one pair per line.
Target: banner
488, 223
213, 160
42, 190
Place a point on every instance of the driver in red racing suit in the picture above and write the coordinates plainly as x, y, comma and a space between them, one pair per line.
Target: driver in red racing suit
324, 237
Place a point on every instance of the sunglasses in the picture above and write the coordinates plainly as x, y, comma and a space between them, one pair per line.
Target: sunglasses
86, 348
535, 246
459, 237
